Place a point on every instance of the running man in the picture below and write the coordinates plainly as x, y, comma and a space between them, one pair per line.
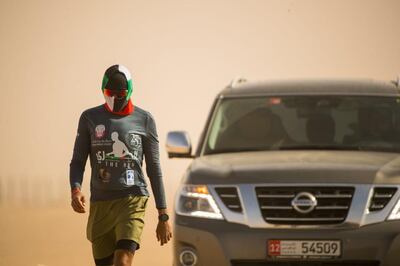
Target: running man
118, 188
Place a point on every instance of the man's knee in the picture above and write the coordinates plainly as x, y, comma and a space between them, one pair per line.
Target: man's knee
124, 252
107, 261
123, 257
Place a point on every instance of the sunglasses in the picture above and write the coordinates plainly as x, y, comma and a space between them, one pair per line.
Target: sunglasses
116, 93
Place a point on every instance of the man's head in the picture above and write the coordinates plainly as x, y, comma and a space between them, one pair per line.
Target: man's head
117, 87
114, 136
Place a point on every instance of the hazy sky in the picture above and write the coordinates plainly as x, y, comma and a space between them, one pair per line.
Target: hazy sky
181, 53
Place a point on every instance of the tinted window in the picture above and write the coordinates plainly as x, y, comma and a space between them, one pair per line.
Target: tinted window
305, 122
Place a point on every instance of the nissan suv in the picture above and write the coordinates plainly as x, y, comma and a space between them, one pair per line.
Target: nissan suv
292, 173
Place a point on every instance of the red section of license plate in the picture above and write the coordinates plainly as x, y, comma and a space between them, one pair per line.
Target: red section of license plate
274, 247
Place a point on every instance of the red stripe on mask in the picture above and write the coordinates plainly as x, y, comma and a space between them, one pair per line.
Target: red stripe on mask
128, 109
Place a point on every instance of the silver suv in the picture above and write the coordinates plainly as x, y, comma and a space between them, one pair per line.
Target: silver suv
293, 173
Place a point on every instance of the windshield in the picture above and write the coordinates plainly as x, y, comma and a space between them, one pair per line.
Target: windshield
305, 122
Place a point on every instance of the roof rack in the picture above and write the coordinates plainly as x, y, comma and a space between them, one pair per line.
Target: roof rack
237, 81
397, 81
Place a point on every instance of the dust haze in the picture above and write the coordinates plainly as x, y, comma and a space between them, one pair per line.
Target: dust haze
181, 53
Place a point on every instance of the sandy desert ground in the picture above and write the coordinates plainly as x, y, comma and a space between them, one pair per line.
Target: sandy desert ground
55, 236
39, 228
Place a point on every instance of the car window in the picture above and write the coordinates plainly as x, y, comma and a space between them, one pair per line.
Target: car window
305, 122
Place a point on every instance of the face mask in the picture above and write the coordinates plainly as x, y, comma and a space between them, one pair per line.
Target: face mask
117, 87
116, 99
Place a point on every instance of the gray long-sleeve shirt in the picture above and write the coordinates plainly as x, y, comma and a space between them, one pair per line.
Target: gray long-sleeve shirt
116, 145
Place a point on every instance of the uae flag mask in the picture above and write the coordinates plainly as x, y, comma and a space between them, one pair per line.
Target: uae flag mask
117, 88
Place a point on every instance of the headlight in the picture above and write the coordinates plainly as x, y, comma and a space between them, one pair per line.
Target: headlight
195, 200
395, 214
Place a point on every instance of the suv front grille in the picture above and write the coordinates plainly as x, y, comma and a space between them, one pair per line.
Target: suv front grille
381, 197
331, 204
230, 198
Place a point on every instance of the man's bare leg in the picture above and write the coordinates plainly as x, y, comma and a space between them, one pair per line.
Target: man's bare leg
123, 257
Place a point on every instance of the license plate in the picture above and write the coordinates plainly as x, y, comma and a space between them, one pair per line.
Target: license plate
304, 249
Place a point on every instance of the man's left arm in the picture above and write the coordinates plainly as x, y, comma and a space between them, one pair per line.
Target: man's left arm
153, 169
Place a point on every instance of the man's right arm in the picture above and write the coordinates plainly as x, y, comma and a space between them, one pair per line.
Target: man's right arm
77, 165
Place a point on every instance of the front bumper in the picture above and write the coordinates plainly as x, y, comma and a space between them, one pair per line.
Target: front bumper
221, 243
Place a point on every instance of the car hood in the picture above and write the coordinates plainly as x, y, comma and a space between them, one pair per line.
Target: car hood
352, 167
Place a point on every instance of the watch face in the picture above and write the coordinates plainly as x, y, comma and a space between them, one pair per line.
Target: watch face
163, 217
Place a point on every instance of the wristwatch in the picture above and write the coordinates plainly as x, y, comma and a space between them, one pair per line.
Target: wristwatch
163, 217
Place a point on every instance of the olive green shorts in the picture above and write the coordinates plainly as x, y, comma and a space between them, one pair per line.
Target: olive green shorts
113, 220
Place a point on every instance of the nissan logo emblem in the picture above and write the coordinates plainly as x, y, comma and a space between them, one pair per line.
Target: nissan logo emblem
304, 202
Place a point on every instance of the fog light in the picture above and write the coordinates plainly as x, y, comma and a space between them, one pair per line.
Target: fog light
188, 258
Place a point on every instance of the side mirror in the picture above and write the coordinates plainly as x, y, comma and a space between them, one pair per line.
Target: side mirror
179, 145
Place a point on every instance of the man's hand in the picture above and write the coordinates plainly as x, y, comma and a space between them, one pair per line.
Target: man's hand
164, 232
78, 201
